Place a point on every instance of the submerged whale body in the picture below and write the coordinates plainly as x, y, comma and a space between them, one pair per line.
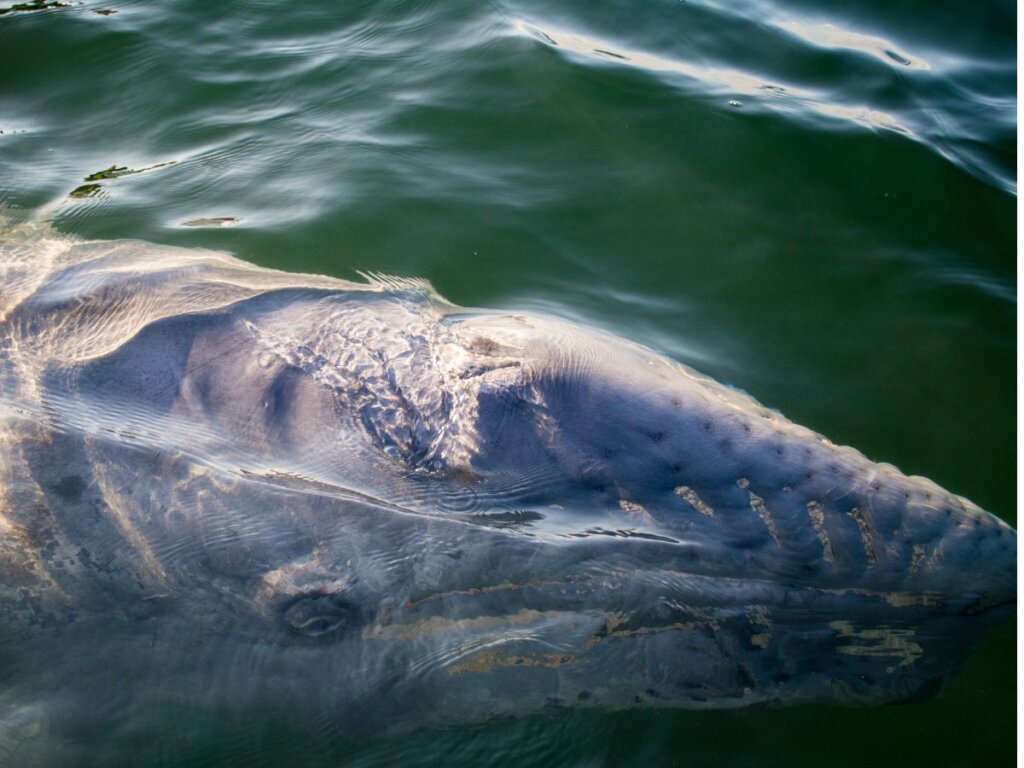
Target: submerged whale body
226, 486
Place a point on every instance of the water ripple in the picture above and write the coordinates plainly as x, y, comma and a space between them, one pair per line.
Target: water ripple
837, 89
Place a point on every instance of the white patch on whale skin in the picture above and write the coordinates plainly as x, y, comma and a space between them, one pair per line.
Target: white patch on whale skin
761, 509
690, 497
866, 535
879, 641
817, 514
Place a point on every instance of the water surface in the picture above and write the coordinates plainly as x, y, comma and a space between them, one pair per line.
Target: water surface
813, 202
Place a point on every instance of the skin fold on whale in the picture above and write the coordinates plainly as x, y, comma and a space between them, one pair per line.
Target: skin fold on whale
234, 487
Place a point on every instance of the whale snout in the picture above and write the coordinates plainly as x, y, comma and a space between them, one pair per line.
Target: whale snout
792, 566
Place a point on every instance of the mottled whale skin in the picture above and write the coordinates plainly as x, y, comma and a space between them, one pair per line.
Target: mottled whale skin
223, 486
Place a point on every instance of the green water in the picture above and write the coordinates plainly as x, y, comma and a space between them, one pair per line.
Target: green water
813, 202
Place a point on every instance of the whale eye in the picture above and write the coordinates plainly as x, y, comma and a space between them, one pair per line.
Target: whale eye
316, 615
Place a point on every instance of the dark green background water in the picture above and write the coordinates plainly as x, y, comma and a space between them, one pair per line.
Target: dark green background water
815, 202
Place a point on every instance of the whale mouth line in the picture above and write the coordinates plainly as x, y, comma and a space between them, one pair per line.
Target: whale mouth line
674, 600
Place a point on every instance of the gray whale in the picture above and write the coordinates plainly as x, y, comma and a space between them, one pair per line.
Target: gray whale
226, 486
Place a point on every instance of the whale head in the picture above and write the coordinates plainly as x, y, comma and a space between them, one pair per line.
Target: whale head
599, 526
399, 513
